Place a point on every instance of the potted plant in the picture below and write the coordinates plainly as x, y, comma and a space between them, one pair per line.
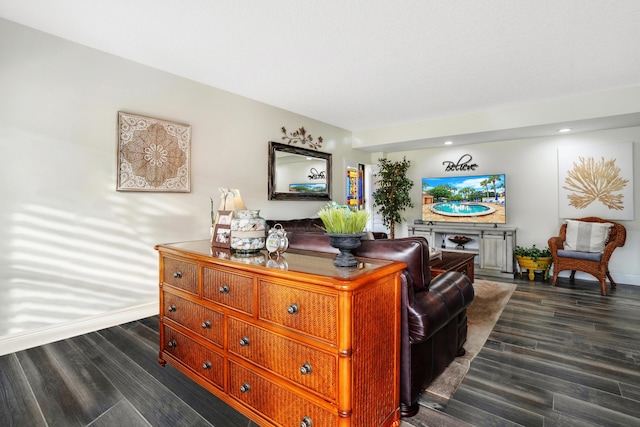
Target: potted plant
533, 259
345, 228
392, 195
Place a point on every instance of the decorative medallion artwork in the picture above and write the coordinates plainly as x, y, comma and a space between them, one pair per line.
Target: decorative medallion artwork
153, 154
596, 181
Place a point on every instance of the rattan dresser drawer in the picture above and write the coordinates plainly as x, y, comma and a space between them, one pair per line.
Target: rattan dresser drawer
302, 310
283, 407
181, 274
205, 362
304, 365
229, 289
201, 320
309, 345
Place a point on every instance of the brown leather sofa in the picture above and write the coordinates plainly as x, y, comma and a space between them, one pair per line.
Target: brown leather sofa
434, 319
310, 225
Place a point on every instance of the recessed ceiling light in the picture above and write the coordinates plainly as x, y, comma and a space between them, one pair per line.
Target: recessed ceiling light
563, 130
448, 142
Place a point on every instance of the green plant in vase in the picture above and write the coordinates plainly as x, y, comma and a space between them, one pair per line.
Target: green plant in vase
533, 258
532, 252
345, 228
341, 219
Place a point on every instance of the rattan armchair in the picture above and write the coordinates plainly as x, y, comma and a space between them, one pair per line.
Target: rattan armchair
598, 268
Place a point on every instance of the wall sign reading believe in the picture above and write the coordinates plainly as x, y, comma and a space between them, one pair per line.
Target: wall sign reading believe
463, 164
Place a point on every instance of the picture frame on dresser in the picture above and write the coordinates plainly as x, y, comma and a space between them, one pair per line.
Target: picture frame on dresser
221, 236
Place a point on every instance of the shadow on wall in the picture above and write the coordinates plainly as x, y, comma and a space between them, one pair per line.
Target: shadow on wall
62, 267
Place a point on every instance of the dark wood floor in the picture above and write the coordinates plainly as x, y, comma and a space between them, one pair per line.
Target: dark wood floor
563, 356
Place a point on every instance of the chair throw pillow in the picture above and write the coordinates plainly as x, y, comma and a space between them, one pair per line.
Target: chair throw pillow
586, 236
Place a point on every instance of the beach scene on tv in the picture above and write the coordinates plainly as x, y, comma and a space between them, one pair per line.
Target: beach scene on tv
470, 199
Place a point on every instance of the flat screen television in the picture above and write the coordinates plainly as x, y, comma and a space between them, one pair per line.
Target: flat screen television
465, 199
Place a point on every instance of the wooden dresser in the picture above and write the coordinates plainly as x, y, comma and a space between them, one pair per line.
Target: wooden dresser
300, 344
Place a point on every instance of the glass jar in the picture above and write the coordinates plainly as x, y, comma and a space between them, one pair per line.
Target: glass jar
248, 231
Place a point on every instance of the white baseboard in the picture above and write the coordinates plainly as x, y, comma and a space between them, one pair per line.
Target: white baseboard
28, 339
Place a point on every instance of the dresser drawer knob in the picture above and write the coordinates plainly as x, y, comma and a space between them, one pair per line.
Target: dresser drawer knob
245, 388
172, 344
206, 365
306, 422
206, 324
305, 369
224, 289
293, 308
177, 275
244, 341
172, 307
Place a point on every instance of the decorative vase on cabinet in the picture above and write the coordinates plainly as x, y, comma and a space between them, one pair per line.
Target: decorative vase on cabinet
248, 232
345, 243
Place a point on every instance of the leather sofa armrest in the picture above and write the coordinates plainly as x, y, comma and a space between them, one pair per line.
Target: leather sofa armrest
430, 309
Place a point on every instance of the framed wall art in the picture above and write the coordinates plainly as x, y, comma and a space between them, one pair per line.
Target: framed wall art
596, 181
153, 154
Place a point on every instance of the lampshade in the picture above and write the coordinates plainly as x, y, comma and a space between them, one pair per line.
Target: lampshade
230, 200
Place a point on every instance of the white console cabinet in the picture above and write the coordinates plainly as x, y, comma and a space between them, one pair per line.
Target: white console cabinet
493, 245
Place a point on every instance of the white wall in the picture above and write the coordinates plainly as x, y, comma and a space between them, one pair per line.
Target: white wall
531, 169
71, 247
73, 251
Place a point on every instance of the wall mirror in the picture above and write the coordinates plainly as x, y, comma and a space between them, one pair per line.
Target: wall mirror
298, 173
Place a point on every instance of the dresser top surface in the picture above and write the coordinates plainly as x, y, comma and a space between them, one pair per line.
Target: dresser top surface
303, 262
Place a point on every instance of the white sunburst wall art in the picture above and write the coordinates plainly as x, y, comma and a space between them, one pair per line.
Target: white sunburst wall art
596, 181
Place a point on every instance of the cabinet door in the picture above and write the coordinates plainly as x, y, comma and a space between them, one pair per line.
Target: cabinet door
429, 235
493, 255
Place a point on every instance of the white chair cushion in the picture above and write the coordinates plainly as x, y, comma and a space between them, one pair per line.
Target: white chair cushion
586, 236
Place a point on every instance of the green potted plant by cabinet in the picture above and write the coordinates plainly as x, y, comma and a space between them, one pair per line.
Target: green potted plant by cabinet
533, 259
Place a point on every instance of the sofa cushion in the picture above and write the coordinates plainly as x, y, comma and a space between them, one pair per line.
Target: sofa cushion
299, 225
585, 236
413, 251
316, 242
588, 256
313, 225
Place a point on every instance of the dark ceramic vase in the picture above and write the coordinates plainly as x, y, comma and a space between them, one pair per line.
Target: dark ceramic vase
345, 243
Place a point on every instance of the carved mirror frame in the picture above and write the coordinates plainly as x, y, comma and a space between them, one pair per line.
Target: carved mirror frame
275, 147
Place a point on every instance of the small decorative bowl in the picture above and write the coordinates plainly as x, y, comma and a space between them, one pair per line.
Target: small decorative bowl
460, 240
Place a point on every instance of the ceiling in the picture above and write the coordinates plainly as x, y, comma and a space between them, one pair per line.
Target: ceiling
366, 64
